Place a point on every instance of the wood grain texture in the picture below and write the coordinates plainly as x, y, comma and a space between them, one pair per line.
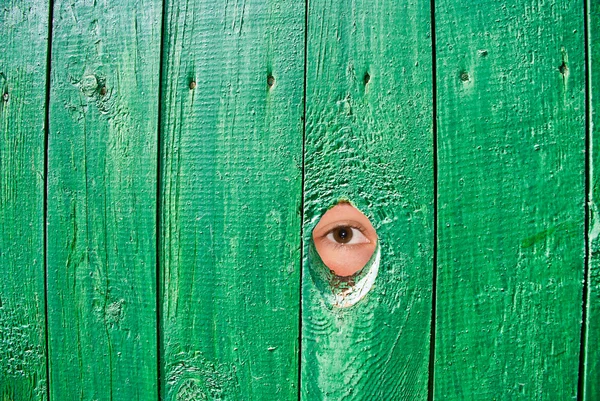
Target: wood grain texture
231, 155
591, 379
102, 200
369, 140
511, 136
24, 43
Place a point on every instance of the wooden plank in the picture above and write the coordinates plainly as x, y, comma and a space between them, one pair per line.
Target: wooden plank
231, 151
24, 44
102, 200
369, 140
511, 135
591, 350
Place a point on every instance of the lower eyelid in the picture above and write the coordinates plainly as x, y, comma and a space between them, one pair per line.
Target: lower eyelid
345, 247
337, 245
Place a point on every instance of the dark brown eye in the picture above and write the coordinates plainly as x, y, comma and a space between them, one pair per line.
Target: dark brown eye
342, 235
345, 239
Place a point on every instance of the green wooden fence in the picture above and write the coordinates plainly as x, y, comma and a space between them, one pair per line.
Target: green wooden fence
163, 164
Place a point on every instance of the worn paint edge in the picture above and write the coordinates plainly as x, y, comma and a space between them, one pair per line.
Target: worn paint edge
342, 292
160, 349
45, 203
589, 174
303, 190
434, 133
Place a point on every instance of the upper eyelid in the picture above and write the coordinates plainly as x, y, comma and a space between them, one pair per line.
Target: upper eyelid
362, 233
330, 231
342, 223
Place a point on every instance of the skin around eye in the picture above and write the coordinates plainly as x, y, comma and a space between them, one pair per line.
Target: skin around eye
344, 239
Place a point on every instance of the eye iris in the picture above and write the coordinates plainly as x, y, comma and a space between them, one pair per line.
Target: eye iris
342, 235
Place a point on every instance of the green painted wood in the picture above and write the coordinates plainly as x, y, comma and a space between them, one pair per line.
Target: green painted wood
591, 354
511, 141
231, 156
102, 155
369, 140
24, 44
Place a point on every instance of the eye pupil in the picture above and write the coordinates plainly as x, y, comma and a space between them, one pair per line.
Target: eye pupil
342, 235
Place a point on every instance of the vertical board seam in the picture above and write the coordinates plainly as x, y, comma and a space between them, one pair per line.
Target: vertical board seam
430, 381
158, 220
45, 204
302, 201
588, 198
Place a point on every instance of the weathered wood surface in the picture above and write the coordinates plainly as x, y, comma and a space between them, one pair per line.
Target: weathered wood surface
511, 141
23, 44
228, 157
102, 160
369, 140
591, 350
231, 159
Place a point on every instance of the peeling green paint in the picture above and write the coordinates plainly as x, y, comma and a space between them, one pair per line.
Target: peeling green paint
244, 306
102, 170
511, 184
231, 173
369, 140
23, 47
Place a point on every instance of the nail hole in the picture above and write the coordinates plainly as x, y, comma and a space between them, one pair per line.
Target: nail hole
464, 76
344, 239
5, 97
192, 84
366, 78
270, 80
564, 70
103, 91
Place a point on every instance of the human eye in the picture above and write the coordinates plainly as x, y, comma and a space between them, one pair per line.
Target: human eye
345, 235
344, 239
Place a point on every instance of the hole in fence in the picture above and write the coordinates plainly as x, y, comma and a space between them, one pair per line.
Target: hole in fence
564, 70
366, 78
345, 239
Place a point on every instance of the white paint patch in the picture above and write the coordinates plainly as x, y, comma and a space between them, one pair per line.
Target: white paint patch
351, 295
